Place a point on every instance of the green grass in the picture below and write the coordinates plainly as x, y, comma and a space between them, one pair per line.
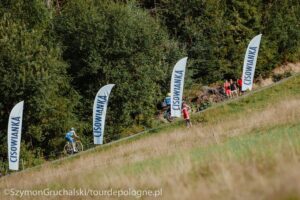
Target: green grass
257, 161
253, 102
259, 145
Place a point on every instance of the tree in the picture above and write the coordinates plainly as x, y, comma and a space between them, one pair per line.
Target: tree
116, 43
216, 33
32, 70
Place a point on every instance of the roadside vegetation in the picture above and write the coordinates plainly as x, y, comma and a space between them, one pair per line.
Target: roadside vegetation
56, 54
248, 148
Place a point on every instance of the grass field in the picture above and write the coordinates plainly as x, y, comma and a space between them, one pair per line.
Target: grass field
245, 149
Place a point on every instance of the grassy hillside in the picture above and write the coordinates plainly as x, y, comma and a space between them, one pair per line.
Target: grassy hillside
245, 149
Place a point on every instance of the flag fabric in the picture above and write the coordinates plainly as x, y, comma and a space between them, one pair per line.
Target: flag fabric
14, 135
99, 112
250, 63
177, 83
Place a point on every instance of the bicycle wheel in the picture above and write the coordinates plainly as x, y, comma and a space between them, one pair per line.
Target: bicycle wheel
167, 116
79, 146
170, 119
68, 149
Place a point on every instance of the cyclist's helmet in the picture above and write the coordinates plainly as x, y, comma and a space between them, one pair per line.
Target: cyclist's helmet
169, 94
72, 129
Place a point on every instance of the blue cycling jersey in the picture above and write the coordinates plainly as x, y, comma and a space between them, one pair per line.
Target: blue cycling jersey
69, 134
168, 101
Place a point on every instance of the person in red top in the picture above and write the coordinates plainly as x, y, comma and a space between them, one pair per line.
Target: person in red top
227, 89
186, 115
240, 83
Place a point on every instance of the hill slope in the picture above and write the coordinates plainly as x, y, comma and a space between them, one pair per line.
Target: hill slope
246, 149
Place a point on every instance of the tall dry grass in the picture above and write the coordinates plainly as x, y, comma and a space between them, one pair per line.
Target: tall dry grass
165, 161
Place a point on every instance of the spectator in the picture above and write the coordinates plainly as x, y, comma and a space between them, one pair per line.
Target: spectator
186, 115
233, 88
240, 83
227, 89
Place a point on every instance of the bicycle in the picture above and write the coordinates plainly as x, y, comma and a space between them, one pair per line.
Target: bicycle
68, 148
167, 115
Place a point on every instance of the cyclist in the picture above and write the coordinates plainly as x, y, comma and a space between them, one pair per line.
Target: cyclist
166, 107
167, 103
69, 137
167, 100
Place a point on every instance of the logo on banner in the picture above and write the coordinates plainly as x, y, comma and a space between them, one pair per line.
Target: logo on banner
101, 101
15, 127
178, 76
250, 65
